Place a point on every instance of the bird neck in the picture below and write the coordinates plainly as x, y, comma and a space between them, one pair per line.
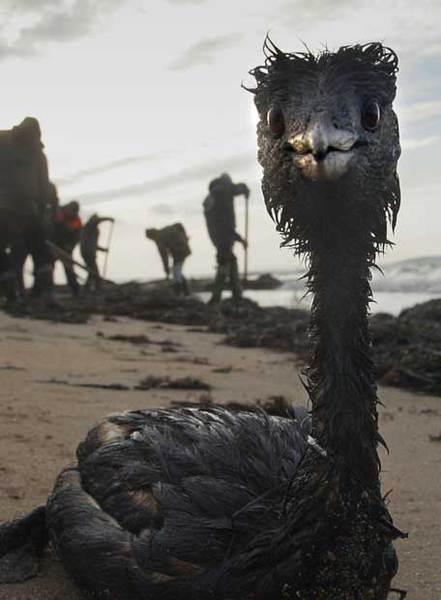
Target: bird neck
341, 373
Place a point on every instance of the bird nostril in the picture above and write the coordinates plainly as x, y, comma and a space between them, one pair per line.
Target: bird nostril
320, 154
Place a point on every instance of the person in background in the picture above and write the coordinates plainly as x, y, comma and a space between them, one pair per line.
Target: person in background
221, 225
89, 247
21, 247
25, 194
66, 235
172, 242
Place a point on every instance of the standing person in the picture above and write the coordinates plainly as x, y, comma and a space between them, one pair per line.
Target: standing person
21, 246
25, 194
89, 247
172, 241
221, 224
66, 235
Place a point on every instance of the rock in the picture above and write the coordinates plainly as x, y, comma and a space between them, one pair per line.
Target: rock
263, 282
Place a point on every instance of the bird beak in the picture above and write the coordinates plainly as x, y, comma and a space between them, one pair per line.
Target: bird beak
323, 152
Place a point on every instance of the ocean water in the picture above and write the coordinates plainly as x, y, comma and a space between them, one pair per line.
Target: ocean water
390, 302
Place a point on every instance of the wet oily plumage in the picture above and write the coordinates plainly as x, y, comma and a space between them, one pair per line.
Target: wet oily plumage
209, 504
169, 498
312, 105
330, 183
329, 145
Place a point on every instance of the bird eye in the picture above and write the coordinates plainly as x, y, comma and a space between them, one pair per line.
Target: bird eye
370, 115
276, 121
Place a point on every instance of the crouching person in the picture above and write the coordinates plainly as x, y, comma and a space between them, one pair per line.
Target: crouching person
172, 242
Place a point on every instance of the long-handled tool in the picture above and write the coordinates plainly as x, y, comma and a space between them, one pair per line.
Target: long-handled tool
63, 255
245, 270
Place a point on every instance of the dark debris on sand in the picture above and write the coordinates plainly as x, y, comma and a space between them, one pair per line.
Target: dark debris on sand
407, 348
98, 386
142, 340
277, 406
182, 383
148, 383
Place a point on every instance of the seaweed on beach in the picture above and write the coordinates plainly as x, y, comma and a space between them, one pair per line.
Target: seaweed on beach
407, 348
182, 383
277, 406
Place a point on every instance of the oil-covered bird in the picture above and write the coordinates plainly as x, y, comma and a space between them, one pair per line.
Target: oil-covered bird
211, 504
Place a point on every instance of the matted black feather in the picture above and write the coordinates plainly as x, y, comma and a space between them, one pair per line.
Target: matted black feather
370, 64
339, 227
294, 81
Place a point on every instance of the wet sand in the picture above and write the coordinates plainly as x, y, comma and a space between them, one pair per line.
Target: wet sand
42, 420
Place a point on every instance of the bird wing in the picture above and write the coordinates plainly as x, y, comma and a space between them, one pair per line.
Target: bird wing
179, 491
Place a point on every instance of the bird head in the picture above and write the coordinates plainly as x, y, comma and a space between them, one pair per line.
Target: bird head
328, 140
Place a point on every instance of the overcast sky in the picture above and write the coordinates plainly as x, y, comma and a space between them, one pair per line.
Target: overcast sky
140, 104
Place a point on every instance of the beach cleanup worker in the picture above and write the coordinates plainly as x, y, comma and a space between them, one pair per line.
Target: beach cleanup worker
66, 235
20, 249
25, 195
221, 225
89, 247
172, 242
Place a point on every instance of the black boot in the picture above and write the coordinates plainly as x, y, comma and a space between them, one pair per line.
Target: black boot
218, 284
44, 286
185, 288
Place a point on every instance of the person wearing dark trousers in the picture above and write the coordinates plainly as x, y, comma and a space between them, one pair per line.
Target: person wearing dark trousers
221, 225
25, 194
30, 239
25, 242
8, 283
66, 235
172, 242
89, 247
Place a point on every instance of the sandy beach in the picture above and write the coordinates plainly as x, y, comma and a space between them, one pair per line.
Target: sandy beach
45, 413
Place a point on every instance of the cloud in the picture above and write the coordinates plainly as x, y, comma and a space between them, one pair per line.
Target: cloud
163, 209
302, 12
104, 168
11, 51
205, 51
420, 111
416, 144
24, 6
186, 1
50, 21
413, 33
202, 172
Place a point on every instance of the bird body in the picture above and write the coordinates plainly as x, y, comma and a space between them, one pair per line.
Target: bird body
171, 498
209, 504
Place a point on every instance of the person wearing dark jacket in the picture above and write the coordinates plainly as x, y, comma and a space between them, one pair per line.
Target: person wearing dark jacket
66, 235
21, 246
25, 193
221, 225
89, 247
172, 242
